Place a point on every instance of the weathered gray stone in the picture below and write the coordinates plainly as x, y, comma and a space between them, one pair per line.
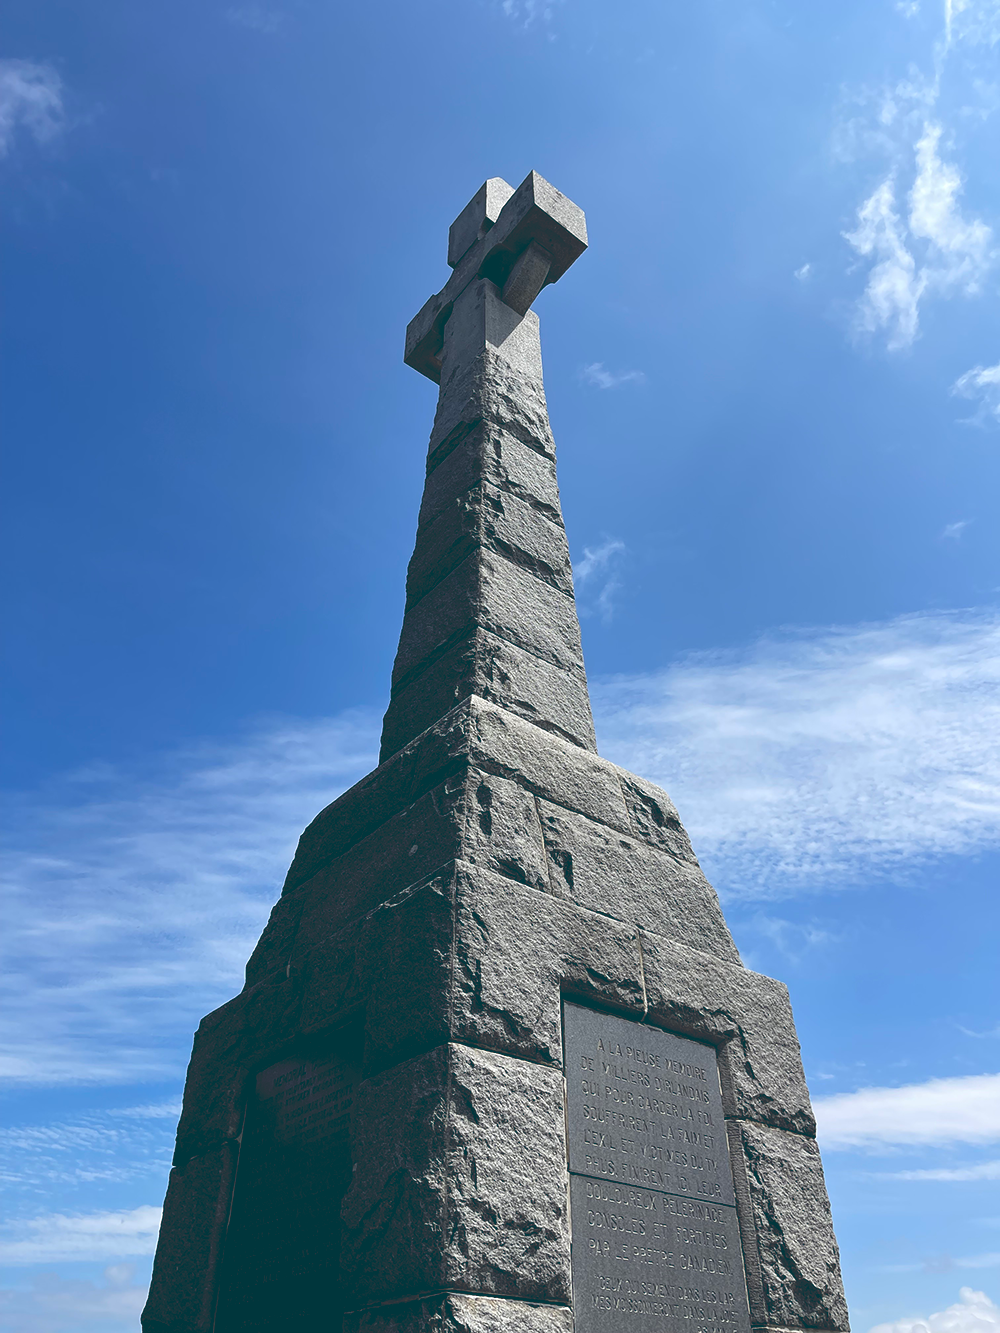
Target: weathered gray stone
746, 1015
490, 592
182, 1291
470, 956
486, 516
228, 1043
553, 698
517, 951
436, 916
456, 1313
653, 817
527, 278
535, 212
799, 1259
551, 768
479, 451
464, 1186
493, 391
406, 848
477, 217
597, 867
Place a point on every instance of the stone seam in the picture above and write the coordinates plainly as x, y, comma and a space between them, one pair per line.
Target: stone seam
494, 768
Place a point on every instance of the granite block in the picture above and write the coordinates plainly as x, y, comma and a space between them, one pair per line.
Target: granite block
747, 1016
597, 867
790, 1213
182, 1290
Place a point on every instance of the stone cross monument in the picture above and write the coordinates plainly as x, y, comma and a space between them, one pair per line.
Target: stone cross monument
497, 1064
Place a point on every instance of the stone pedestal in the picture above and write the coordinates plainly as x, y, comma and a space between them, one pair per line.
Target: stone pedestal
374, 1132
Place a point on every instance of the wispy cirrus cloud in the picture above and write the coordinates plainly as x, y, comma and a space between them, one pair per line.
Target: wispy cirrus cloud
599, 570
599, 378
980, 1171
116, 1145
823, 759
134, 900
31, 98
804, 761
91, 1237
982, 385
940, 1111
258, 18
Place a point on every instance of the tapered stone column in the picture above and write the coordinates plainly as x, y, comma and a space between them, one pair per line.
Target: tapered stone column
497, 1063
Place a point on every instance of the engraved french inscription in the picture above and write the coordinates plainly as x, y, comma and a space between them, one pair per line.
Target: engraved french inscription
656, 1245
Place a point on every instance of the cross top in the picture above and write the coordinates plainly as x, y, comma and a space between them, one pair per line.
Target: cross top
521, 240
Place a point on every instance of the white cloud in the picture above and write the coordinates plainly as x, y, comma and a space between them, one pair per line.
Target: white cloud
894, 286
943, 1110
974, 1313
930, 247
823, 759
953, 531
526, 13
808, 761
117, 1145
51, 1304
599, 563
133, 901
90, 1237
803, 273
600, 378
976, 22
982, 383
982, 1171
258, 18
959, 250
30, 96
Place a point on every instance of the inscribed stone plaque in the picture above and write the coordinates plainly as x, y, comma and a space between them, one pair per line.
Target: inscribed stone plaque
282, 1254
656, 1243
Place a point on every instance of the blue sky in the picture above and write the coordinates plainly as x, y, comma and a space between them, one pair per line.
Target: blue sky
774, 380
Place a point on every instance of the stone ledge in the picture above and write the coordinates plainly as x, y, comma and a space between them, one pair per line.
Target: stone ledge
490, 738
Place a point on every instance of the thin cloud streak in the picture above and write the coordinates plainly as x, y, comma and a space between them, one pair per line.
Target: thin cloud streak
52, 1304
942, 1110
86, 1237
134, 901
806, 762
822, 760
31, 98
982, 1171
599, 378
982, 384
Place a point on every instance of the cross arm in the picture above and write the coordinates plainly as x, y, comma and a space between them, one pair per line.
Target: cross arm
536, 236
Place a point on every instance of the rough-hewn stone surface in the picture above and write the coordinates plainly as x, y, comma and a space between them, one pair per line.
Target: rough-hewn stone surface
464, 1185
488, 591
553, 698
436, 915
507, 993
456, 1313
487, 517
182, 1292
747, 1016
597, 867
481, 451
799, 1259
